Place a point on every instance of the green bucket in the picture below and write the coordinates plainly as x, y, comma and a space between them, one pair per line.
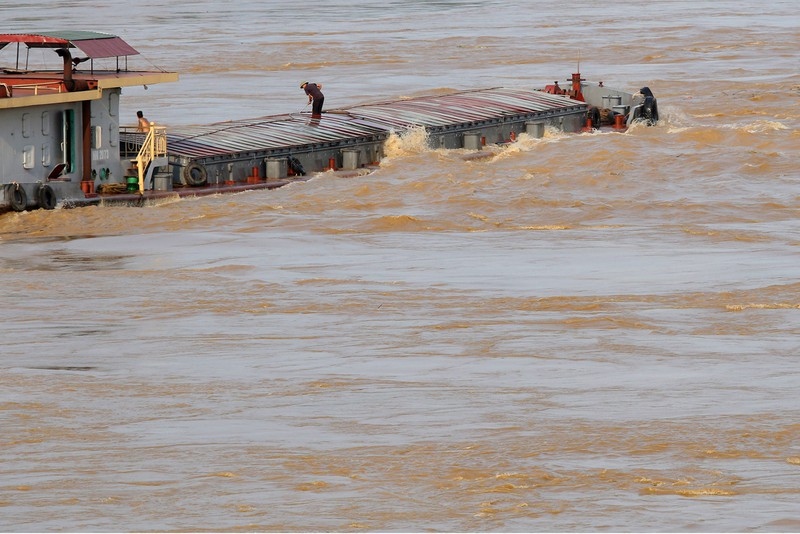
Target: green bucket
133, 184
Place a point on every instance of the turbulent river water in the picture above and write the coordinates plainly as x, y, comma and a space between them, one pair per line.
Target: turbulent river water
595, 332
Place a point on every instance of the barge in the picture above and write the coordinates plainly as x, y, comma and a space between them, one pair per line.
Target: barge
63, 143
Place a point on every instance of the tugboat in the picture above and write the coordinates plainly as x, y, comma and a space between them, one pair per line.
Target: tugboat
61, 141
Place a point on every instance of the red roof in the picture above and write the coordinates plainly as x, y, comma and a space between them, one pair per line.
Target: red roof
93, 44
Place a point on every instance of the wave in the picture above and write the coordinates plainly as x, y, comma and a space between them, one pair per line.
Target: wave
412, 141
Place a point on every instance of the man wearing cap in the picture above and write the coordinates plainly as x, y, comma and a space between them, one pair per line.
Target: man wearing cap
316, 96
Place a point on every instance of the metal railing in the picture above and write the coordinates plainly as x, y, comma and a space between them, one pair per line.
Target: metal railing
153, 145
33, 88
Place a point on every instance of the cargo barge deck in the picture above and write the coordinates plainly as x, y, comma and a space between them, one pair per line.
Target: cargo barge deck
286, 147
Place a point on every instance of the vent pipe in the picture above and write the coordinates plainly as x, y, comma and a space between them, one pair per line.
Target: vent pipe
69, 83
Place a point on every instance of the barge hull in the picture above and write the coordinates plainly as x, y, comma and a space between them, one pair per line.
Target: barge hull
280, 147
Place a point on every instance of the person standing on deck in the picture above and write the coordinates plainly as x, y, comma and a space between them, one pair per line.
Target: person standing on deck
313, 90
144, 124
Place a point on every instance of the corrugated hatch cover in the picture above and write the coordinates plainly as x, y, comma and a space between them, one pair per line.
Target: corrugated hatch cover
379, 119
267, 133
463, 107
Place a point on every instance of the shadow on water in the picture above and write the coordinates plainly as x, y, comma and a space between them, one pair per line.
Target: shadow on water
64, 260
64, 368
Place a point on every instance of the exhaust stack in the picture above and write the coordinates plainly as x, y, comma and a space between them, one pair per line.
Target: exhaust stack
69, 83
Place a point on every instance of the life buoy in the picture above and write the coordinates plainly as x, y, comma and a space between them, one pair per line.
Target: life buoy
17, 198
46, 197
195, 175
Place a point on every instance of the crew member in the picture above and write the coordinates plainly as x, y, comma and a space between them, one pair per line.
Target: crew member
644, 107
313, 90
649, 106
144, 124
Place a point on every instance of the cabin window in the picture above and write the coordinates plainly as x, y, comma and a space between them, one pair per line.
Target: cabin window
26, 125
45, 123
28, 154
46, 155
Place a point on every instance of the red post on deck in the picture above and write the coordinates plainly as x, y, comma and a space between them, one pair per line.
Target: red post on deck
254, 178
576, 92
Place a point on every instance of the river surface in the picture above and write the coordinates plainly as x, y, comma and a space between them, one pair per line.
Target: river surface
595, 332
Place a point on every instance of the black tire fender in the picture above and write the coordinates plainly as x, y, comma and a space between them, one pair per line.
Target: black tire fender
594, 116
17, 198
296, 166
195, 175
46, 197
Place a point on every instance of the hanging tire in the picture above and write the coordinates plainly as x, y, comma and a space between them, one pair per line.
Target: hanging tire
593, 115
296, 166
195, 175
17, 198
46, 197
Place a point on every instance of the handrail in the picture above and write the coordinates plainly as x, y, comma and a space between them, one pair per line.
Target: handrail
53, 87
154, 146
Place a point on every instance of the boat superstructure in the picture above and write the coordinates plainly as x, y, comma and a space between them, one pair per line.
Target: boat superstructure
60, 129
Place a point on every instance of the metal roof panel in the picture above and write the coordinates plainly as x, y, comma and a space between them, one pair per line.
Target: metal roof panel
93, 44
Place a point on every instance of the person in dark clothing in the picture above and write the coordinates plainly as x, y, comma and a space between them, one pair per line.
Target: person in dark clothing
649, 109
314, 95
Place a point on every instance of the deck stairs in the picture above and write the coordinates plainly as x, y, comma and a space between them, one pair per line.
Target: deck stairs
152, 155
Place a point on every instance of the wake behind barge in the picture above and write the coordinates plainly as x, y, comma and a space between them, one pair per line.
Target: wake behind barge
62, 142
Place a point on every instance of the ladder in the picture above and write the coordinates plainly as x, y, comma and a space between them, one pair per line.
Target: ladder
152, 154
